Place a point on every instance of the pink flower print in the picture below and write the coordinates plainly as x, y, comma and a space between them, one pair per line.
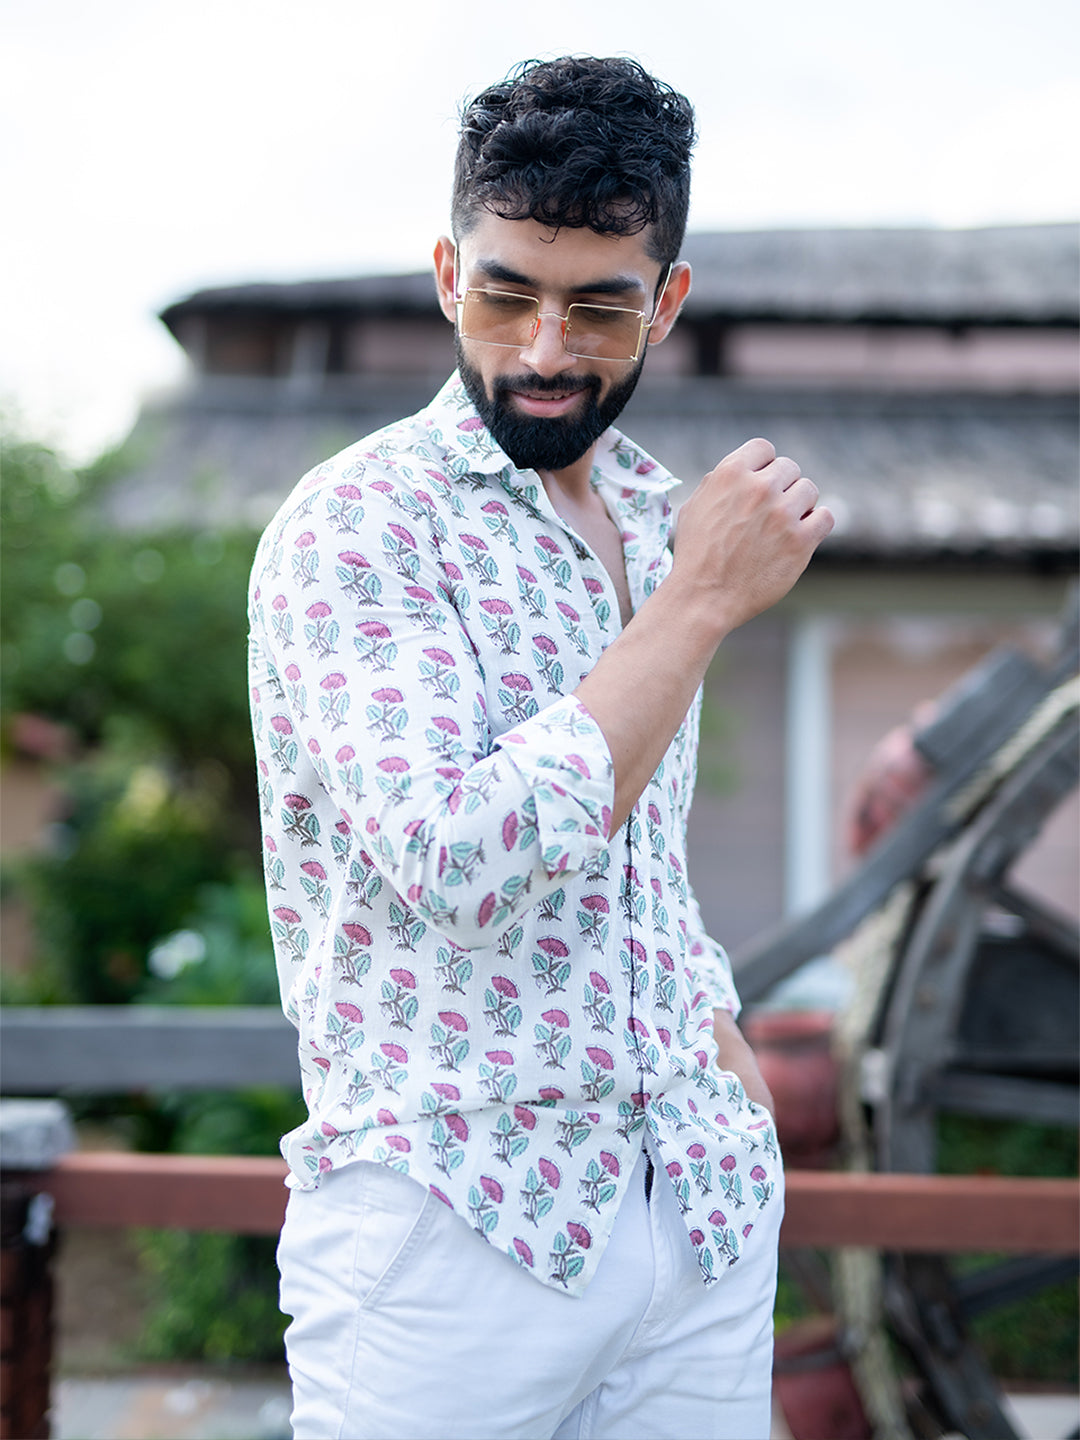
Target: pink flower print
598, 981
637, 1026
385, 717
386, 1117
763, 1187
394, 1052
550, 1171
394, 780
599, 1057
374, 644
697, 1238
334, 702
499, 1057
330, 1131
279, 603
325, 1164
305, 561
558, 1018
551, 1094
505, 986
440, 1196
345, 754
404, 977
696, 1151
445, 1091
448, 1046
592, 917
731, 1181
510, 831
444, 731
399, 1143
550, 964
437, 670
498, 619
315, 887
350, 1012
288, 931
457, 1126
674, 1169
545, 644
491, 1188
718, 1218
524, 1251
579, 1234
283, 748
746, 1230
525, 1117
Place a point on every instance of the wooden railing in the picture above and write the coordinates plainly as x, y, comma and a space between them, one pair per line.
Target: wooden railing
107, 1049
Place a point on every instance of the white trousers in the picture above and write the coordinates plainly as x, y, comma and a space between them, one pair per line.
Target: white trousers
408, 1326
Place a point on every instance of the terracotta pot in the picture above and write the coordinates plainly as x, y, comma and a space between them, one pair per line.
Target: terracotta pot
794, 1051
813, 1385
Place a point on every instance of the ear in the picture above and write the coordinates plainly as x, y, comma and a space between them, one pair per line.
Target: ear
678, 287
445, 253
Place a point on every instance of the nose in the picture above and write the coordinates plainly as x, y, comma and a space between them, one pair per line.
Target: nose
546, 355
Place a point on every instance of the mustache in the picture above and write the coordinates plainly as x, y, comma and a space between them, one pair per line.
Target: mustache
546, 384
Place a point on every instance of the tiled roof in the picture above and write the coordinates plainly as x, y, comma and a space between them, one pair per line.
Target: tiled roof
910, 475
1005, 275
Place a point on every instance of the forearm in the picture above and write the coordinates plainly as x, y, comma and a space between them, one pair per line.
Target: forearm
643, 685
743, 539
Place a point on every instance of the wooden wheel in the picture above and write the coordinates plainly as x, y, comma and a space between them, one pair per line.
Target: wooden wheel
981, 1018
969, 1005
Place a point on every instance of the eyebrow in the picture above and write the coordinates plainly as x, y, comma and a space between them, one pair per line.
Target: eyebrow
612, 285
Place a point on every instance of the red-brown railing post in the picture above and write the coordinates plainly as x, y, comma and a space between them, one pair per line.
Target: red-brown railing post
33, 1136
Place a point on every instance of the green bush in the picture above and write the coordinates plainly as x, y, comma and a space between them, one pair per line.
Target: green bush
1037, 1338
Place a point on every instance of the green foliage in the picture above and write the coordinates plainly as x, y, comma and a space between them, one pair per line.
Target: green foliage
135, 645
151, 888
215, 1297
98, 623
1036, 1338
223, 955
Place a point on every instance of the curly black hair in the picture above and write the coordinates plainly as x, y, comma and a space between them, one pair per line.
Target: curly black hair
579, 142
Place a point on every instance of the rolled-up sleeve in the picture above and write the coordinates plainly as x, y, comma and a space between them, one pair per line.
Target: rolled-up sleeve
374, 691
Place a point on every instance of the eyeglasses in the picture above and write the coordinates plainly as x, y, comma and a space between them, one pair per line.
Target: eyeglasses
590, 332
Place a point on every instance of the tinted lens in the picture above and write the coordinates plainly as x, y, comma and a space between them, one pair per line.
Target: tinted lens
498, 317
603, 332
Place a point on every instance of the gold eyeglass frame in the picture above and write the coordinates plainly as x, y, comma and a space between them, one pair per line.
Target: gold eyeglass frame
644, 325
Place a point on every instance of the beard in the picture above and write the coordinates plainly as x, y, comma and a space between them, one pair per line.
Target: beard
535, 443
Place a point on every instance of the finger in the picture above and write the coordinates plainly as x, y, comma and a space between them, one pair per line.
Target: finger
801, 496
756, 454
783, 472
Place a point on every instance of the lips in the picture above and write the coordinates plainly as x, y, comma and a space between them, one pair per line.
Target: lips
546, 404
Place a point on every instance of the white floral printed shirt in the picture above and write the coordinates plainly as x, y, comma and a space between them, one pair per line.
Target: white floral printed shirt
491, 997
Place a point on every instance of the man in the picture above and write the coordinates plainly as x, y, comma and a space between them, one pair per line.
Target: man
538, 1192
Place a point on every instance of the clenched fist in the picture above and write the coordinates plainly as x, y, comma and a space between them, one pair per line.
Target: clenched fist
747, 533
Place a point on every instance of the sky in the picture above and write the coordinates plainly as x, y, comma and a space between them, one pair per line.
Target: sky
153, 147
